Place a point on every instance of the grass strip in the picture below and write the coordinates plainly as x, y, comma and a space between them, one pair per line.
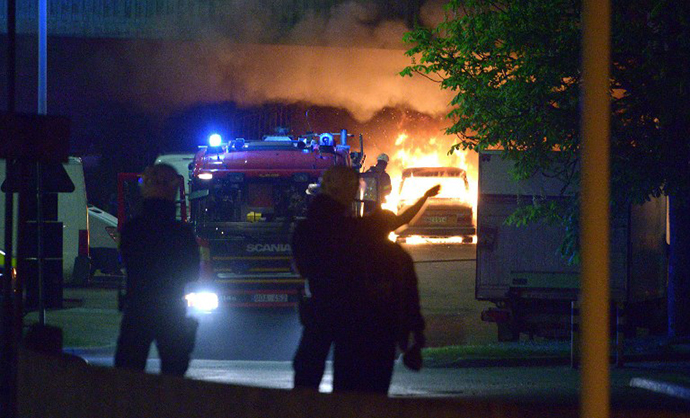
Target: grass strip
440, 356
90, 319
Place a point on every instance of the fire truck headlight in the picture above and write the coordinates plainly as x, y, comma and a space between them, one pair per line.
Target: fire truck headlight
205, 176
215, 140
202, 301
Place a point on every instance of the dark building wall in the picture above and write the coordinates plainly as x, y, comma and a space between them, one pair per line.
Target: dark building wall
188, 19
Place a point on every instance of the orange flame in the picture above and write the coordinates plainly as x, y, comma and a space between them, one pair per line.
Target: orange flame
429, 153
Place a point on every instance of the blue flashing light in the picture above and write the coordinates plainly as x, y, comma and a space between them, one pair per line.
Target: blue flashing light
215, 140
326, 139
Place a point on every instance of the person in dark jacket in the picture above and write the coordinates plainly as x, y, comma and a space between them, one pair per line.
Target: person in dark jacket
329, 251
397, 284
389, 314
161, 256
321, 247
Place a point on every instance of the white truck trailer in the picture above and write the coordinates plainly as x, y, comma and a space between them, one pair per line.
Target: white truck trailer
72, 212
520, 270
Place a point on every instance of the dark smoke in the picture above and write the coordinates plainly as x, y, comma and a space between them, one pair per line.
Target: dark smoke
348, 58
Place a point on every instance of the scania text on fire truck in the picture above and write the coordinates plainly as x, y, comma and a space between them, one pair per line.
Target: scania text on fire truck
245, 198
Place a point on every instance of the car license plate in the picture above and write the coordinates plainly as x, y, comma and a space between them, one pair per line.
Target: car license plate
269, 298
440, 220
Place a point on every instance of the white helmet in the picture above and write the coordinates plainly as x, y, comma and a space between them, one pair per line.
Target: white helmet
382, 157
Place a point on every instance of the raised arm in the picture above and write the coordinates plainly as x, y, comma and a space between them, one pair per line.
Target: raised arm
409, 213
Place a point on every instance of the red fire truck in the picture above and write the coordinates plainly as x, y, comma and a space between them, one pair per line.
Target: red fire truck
245, 198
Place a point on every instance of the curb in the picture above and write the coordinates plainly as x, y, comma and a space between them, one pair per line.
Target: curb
505, 362
90, 351
658, 386
548, 361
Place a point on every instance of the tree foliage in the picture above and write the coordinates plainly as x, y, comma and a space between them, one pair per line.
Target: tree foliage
515, 69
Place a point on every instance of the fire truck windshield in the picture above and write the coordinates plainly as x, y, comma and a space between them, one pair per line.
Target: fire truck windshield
252, 200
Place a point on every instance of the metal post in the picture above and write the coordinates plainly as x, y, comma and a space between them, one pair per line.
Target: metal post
8, 362
39, 245
8, 354
42, 110
620, 334
574, 335
11, 54
22, 171
595, 123
42, 57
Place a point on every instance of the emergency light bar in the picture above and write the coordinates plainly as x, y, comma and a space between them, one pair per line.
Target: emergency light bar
326, 140
237, 144
215, 140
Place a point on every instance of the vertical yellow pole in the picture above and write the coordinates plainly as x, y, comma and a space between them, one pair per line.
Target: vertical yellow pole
594, 221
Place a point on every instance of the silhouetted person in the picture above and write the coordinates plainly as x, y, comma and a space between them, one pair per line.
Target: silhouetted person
160, 255
389, 312
383, 185
328, 251
384, 179
321, 248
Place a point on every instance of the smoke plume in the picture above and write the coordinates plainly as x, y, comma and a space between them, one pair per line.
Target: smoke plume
349, 58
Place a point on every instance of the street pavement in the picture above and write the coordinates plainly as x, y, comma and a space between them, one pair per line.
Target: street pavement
639, 385
254, 349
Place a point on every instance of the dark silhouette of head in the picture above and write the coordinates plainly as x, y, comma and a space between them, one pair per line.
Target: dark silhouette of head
382, 161
341, 184
160, 181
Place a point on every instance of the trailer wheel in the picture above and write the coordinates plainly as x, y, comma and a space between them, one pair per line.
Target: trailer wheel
507, 332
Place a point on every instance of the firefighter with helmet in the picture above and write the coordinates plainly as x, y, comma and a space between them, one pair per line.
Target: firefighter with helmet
382, 178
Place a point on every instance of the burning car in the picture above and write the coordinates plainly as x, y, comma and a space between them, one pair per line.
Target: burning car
449, 214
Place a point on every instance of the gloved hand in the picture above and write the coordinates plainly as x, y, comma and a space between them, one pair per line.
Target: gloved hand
412, 359
433, 191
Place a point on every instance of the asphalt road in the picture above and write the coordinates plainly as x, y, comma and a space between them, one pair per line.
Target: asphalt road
253, 348
446, 283
558, 385
248, 335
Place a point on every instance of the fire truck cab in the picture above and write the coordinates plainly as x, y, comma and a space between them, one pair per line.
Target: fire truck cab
245, 198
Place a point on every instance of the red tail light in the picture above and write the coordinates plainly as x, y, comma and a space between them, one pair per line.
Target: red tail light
84, 242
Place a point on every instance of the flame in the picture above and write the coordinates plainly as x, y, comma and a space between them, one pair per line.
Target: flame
429, 153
